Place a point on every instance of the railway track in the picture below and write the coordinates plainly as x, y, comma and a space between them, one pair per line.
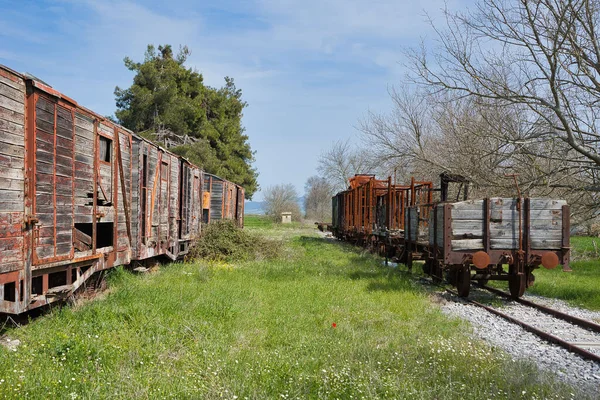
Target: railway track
572, 333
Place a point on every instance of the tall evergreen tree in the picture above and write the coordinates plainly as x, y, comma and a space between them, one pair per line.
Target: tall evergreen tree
169, 104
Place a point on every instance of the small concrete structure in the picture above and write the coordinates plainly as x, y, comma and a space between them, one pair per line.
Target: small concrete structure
286, 217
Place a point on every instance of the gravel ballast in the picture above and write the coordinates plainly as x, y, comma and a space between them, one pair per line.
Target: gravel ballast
521, 344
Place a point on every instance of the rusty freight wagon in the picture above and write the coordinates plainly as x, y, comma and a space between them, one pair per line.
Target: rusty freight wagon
373, 212
497, 239
80, 194
487, 239
354, 211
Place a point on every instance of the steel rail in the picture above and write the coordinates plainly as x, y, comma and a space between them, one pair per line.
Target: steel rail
558, 314
544, 335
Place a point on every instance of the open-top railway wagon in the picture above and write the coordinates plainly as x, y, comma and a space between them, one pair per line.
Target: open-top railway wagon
80, 194
485, 239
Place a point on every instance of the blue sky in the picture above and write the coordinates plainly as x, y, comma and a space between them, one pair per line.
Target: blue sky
308, 69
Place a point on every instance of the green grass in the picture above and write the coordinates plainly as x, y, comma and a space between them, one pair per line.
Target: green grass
263, 329
581, 287
257, 221
584, 248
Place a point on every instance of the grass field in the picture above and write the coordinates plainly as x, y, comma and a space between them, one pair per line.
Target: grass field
257, 221
322, 321
581, 287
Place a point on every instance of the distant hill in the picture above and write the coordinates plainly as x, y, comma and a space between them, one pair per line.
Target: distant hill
254, 207
258, 207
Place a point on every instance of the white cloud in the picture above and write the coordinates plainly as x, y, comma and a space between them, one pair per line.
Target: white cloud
308, 69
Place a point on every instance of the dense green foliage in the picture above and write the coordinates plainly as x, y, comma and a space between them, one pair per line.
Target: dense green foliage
170, 104
224, 241
263, 330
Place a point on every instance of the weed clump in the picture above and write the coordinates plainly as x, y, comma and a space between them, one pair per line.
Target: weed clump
224, 241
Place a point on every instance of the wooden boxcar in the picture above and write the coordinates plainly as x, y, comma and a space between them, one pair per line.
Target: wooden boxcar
223, 200
80, 194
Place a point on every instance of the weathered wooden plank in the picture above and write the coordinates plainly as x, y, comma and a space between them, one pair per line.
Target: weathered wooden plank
10, 138
84, 171
12, 150
12, 173
64, 171
85, 159
12, 184
12, 116
546, 204
466, 214
10, 256
9, 267
44, 168
467, 244
83, 121
12, 127
65, 133
44, 188
468, 205
43, 115
11, 230
63, 249
505, 243
47, 137
504, 203
44, 104
12, 93
543, 244
17, 84
12, 105
83, 219
66, 143
87, 144
11, 243
64, 161
11, 196
464, 226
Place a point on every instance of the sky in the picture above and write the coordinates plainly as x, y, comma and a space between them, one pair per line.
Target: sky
309, 69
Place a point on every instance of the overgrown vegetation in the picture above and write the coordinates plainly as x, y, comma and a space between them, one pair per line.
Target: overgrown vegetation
264, 329
224, 241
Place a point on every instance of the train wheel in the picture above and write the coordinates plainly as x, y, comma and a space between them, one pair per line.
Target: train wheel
451, 276
436, 272
463, 281
427, 267
517, 284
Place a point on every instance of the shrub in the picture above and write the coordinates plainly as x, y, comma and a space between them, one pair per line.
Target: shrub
224, 241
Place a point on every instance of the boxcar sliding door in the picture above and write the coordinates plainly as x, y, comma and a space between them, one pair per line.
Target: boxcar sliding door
52, 180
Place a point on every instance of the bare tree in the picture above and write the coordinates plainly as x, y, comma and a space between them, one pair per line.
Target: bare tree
540, 55
341, 162
317, 200
281, 198
427, 134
